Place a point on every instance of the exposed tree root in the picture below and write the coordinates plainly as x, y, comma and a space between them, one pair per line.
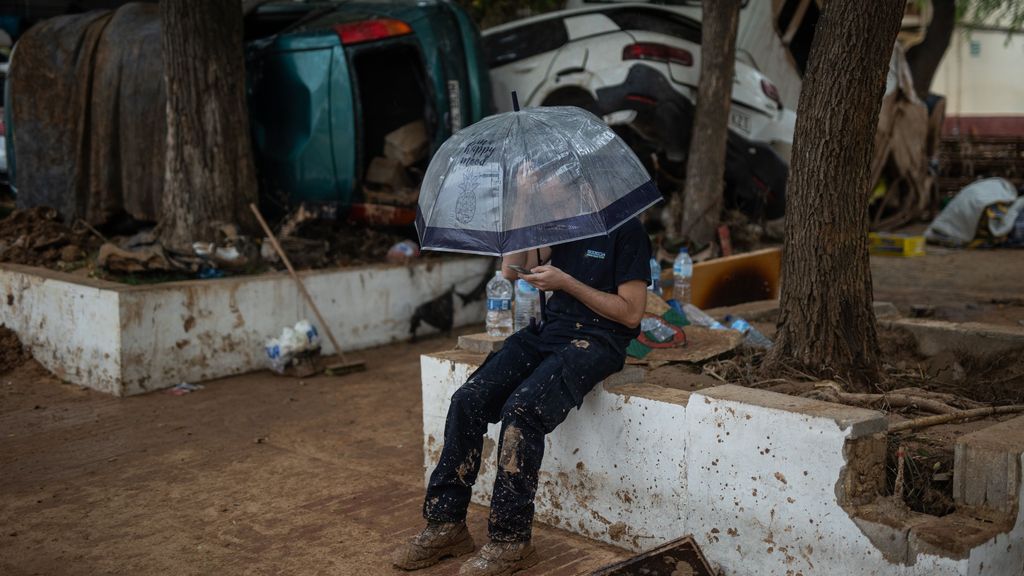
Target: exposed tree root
958, 416
832, 392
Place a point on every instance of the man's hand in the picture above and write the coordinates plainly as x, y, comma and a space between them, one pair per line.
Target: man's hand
548, 277
625, 307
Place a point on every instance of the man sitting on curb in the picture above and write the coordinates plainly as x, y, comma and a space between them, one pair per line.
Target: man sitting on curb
530, 385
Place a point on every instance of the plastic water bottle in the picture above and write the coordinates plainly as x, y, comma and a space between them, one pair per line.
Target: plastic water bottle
527, 304
698, 317
658, 330
499, 306
306, 329
682, 271
751, 336
655, 285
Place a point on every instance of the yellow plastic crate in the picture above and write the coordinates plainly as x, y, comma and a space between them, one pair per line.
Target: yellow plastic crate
888, 244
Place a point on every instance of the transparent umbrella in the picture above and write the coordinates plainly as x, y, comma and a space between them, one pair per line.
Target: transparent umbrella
527, 179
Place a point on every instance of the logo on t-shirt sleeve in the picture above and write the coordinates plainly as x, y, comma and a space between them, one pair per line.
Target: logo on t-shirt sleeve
595, 254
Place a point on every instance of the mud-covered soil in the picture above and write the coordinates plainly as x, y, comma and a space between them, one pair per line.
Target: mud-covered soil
356, 244
38, 237
12, 353
255, 474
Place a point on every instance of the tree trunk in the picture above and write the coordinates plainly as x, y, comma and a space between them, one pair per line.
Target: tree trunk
210, 178
924, 59
826, 324
696, 214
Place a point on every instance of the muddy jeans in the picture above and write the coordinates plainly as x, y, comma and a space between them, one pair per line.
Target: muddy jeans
531, 384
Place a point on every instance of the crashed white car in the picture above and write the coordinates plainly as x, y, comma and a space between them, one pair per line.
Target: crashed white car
642, 60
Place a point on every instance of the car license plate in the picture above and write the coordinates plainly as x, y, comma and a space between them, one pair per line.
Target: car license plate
455, 105
739, 120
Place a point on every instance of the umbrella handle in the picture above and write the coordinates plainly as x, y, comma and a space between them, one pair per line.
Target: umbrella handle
515, 101
543, 296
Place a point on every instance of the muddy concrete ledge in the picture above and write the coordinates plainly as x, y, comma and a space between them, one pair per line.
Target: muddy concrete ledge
767, 483
127, 340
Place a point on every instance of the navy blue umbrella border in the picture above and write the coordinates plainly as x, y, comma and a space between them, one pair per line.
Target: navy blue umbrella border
554, 232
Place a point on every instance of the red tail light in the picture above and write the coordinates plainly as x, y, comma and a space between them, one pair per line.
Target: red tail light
369, 30
658, 53
3, 128
771, 91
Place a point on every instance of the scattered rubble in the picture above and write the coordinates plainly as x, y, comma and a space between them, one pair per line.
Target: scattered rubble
38, 237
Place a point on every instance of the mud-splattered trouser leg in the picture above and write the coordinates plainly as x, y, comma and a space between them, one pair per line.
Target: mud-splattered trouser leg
536, 407
474, 405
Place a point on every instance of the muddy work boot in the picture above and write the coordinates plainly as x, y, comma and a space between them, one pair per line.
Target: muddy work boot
436, 542
500, 559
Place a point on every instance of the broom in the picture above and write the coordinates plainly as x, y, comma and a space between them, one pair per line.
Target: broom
344, 367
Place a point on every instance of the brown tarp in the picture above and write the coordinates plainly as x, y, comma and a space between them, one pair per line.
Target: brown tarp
902, 150
89, 111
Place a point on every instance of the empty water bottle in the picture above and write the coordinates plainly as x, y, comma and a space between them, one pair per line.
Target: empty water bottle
499, 306
527, 304
657, 330
655, 285
751, 336
682, 271
697, 316
309, 331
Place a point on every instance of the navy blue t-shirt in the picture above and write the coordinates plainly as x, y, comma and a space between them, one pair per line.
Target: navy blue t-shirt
604, 263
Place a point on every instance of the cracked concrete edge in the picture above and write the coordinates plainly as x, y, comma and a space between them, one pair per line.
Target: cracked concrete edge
768, 311
987, 469
935, 336
860, 421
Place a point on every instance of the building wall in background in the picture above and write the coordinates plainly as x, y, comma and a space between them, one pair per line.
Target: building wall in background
981, 79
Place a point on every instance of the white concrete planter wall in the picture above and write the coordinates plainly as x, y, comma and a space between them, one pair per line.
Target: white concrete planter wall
768, 484
133, 339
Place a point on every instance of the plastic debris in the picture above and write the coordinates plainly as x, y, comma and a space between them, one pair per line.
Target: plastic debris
698, 317
403, 251
657, 330
751, 336
184, 388
294, 342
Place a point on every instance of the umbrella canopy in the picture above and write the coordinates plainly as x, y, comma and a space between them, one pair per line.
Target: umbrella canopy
527, 179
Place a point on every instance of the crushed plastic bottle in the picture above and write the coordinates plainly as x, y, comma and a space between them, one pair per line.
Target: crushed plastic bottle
303, 338
309, 331
657, 330
655, 285
682, 272
527, 304
751, 336
403, 252
499, 306
697, 316
278, 362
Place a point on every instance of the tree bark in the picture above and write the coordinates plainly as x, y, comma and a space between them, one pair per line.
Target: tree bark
924, 59
826, 323
210, 177
696, 214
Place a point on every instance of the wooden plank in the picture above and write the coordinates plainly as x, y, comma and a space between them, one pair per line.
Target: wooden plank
734, 279
681, 556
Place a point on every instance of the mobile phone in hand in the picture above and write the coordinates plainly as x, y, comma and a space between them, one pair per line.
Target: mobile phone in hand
520, 270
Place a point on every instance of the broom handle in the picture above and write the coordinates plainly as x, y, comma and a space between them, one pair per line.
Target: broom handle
302, 287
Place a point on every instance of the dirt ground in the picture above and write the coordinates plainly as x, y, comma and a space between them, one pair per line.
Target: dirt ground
255, 474
962, 285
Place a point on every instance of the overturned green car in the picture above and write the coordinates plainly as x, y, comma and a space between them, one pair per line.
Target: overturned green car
327, 82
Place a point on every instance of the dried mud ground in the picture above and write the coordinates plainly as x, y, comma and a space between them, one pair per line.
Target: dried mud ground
962, 285
255, 474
